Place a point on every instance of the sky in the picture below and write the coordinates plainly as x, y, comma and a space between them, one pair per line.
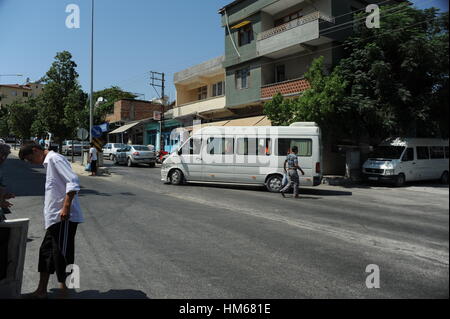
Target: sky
132, 38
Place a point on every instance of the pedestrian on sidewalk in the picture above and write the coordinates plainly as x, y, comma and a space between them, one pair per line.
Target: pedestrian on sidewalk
93, 158
62, 214
291, 170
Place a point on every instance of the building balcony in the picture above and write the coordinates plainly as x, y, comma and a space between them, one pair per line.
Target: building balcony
197, 108
288, 38
286, 88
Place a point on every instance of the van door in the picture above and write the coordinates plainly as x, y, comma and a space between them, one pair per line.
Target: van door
218, 159
252, 155
422, 167
191, 159
407, 165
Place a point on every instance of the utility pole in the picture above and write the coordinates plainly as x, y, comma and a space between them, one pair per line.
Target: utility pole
158, 80
91, 98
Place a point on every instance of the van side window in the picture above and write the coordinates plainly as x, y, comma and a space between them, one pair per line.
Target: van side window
409, 155
446, 152
254, 146
220, 146
437, 152
304, 146
192, 147
423, 152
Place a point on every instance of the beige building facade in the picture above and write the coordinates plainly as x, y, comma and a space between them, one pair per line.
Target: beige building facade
10, 93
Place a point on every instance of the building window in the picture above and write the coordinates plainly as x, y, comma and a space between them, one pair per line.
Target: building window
280, 74
25, 94
288, 18
245, 35
202, 93
242, 78
218, 89
14, 93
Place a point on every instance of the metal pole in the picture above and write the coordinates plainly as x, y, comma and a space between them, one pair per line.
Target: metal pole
162, 113
91, 99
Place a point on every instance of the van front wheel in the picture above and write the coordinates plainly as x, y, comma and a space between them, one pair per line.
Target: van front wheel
176, 177
274, 183
400, 180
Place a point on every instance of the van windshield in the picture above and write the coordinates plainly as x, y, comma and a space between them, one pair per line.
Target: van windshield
387, 152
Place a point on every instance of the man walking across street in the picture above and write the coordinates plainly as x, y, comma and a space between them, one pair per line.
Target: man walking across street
62, 214
292, 167
93, 158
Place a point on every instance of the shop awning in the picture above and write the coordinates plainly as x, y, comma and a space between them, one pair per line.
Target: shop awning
240, 25
124, 128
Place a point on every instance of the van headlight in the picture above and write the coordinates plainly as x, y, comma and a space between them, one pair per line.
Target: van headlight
388, 172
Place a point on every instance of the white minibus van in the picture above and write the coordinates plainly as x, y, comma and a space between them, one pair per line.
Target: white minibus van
400, 160
245, 155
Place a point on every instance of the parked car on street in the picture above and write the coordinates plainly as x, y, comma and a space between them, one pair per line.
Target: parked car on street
110, 149
135, 154
399, 160
71, 147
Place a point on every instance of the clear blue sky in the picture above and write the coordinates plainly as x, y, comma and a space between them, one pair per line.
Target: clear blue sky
132, 38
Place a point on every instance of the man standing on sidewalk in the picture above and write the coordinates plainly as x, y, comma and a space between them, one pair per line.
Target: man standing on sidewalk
292, 167
62, 213
93, 158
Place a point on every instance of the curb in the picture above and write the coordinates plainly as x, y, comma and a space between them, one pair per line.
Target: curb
77, 167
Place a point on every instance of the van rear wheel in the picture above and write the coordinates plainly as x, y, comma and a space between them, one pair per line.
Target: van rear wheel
444, 178
274, 183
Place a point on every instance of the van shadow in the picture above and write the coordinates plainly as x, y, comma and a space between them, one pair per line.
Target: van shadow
96, 294
262, 189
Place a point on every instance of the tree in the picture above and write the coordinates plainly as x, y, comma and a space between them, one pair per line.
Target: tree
322, 103
21, 117
4, 127
62, 100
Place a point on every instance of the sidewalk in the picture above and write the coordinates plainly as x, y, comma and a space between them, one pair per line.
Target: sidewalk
77, 167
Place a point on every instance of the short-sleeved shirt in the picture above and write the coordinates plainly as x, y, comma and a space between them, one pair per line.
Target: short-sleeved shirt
60, 180
93, 151
292, 160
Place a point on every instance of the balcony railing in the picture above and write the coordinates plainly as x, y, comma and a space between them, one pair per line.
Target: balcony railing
290, 87
293, 24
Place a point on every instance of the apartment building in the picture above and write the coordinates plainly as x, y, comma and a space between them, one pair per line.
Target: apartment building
201, 93
270, 44
18, 92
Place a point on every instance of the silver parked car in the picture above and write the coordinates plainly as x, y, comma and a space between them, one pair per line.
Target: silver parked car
69, 149
110, 150
135, 154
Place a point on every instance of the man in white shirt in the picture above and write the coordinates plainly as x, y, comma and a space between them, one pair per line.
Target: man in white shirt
62, 214
93, 159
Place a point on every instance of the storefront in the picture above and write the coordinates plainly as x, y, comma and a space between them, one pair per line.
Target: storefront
152, 134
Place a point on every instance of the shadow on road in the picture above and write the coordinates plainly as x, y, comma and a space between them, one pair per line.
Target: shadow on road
23, 179
95, 294
84, 192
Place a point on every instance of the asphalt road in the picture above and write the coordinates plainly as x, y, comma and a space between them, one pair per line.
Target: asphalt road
145, 239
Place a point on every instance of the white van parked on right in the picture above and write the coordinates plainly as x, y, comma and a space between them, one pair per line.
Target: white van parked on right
400, 160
